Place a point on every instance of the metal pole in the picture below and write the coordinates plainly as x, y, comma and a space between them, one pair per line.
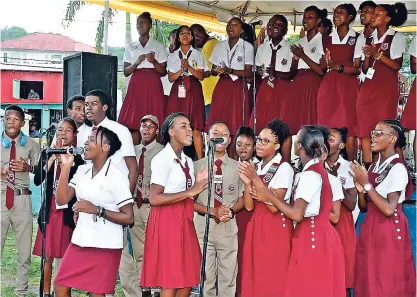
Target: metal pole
106, 27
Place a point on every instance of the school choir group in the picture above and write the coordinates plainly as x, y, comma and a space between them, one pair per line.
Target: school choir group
275, 229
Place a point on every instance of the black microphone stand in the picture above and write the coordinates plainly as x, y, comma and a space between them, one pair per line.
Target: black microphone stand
254, 76
210, 157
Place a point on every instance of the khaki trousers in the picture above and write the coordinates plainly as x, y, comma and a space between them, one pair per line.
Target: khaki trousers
129, 276
21, 219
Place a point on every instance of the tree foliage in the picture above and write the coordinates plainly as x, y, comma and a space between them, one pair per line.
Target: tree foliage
8, 33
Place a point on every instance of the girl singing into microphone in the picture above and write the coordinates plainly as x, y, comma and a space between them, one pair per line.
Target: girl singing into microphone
59, 220
186, 68
104, 205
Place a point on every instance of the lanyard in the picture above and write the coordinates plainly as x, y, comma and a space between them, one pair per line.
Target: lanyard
233, 55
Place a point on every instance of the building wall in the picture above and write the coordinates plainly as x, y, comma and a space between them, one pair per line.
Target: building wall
11, 56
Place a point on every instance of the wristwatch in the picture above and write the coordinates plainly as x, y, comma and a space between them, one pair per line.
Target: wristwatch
233, 212
367, 187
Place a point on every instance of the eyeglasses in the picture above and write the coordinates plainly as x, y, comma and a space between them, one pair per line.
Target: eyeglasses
378, 133
264, 141
244, 145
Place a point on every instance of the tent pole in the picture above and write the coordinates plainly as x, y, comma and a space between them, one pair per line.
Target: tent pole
106, 27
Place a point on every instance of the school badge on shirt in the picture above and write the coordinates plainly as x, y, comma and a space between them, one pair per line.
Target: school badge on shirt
384, 46
232, 188
343, 180
240, 59
351, 41
284, 62
313, 50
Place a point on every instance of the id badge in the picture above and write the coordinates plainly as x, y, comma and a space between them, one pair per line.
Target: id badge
370, 73
271, 81
233, 77
61, 206
217, 179
182, 93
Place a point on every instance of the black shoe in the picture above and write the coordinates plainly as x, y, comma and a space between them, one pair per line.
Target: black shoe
146, 294
157, 294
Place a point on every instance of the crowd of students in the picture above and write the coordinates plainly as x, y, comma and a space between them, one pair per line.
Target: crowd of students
275, 229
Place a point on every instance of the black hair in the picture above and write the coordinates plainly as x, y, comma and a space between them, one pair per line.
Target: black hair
321, 13
177, 37
343, 137
351, 10
246, 131
71, 100
283, 19
198, 27
312, 140
280, 129
367, 3
168, 124
71, 122
327, 24
16, 108
398, 131
248, 33
173, 32
326, 134
102, 97
112, 139
146, 15
397, 12
219, 122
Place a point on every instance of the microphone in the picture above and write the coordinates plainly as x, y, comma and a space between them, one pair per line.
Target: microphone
258, 22
219, 140
73, 150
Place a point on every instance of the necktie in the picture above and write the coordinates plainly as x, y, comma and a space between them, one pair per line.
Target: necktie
186, 171
218, 187
74, 141
94, 129
273, 61
141, 163
186, 78
11, 178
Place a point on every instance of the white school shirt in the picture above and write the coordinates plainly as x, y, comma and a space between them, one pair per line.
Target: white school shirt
134, 49
237, 57
283, 59
362, 76
412, 49
313, 49
397, 45
343, 173
282, 179
167, 173
109, 188
308, 187
196, 60
360, 42
337, 188
395, 181
127, 149
166, 84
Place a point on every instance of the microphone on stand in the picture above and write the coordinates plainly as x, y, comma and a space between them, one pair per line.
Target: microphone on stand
219, 140
258, 22
73, 150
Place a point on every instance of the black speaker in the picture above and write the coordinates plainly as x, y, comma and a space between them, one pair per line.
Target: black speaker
84, 72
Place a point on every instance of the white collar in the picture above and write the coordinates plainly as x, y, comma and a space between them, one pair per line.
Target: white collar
282, 43
147, 44
318, 35
380, 167
149, 146
172, 153
375, 36
81, 127
336, 38
311, 163
104, 122
185, 54
239, 42
276, 159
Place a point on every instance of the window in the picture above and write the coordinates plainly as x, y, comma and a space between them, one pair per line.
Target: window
23, 89
5, 57
56, 59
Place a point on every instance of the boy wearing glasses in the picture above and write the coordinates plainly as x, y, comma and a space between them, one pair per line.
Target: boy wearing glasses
227, 192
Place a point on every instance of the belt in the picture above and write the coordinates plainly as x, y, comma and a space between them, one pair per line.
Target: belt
19, 192
145, 201
203, 215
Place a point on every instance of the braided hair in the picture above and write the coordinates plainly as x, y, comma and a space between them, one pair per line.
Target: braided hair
111, 139
398, 130
343, 137
280, 129
312, 140
168, 124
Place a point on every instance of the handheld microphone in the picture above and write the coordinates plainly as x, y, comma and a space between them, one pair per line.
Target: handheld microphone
259, 22
219, 140
73, 150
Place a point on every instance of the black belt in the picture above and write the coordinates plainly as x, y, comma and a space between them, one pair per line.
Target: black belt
145, 201
19, 192
203, 215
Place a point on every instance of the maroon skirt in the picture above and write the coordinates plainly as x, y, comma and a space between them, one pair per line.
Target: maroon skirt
242, 220
268, 101
172, 255
227, 104
408, 119
57, 238
192, 105
336, 101
92, 270
299, 107
145, 95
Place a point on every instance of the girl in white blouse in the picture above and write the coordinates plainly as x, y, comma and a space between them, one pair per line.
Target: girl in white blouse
104, 204
186, 68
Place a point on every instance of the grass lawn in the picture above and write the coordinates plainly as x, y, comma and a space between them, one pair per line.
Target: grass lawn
9, 267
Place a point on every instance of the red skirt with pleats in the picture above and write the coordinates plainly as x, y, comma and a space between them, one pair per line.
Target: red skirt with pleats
242, 220
408, 119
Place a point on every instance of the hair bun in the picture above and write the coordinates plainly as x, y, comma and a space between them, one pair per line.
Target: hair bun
344, 130
324, 12
147, 14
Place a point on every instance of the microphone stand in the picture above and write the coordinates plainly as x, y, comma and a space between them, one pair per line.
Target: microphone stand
210, 157
243, 84
254, 76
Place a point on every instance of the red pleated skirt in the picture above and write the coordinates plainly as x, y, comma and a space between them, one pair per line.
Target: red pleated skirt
227, 104
57, 238
268, 101
172, 255
347, 234
300, 106
242, 220
266, 253
336, 101
408, 119
317, 266
384, 257
192, 106
145, 95
91, 270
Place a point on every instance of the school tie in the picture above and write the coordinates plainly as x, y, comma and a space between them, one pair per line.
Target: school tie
186, 171
218, 187
57, 175
74, 141
186, 78
141, 164
94, 129
11, 178
273, 60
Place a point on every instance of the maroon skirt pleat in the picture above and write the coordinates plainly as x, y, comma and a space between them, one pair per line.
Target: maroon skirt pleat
408, 119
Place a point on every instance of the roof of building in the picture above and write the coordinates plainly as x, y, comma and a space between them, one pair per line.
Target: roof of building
47, 42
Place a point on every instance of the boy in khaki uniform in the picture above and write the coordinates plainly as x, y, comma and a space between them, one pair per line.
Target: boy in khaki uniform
16, 206
145, 152
227, 192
